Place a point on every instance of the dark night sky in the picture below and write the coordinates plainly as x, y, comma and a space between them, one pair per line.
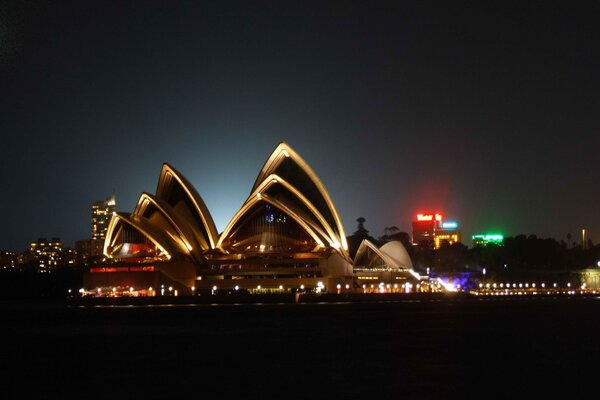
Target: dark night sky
488, 113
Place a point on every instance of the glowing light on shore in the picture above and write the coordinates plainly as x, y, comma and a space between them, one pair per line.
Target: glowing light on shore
449, 286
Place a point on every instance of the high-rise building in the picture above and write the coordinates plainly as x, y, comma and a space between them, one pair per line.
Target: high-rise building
424, 229
46, 254
429, 231
102, 212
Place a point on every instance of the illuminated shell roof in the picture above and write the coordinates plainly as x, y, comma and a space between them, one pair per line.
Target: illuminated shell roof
289, 166
177, 222
393, 254
397, 252
179, 193
238, 218
163, 216
135, 227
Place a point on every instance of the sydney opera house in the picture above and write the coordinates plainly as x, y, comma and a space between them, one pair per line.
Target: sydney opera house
286, 236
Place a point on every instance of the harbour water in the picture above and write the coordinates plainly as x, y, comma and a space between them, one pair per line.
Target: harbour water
416, 349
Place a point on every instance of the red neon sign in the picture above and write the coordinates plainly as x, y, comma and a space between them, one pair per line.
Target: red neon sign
429, 217
424, 217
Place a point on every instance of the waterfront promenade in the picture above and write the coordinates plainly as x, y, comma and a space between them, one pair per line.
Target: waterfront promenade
291, 298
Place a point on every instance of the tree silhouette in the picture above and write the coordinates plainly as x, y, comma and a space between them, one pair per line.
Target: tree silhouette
361, 227
358, 236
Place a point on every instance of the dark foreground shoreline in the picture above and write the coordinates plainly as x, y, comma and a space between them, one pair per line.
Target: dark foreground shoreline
441, 348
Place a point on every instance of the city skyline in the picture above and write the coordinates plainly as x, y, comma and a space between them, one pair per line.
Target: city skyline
451, 223
487, 114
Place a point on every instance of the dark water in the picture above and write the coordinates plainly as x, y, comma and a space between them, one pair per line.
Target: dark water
418, 350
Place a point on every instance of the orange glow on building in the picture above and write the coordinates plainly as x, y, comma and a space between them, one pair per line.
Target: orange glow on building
441, 237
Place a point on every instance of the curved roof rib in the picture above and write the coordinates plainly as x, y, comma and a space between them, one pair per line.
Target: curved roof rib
363, 250
314, 231
288, 164
162, 215
281, 190
179, 193
166, 246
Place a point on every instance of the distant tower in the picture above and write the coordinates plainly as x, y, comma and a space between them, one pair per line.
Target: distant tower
102, 212
583, 241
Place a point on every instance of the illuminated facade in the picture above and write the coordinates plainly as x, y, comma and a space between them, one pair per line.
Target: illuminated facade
389, 269
430, 231
287, 235
102, 212
46, 254
448, 232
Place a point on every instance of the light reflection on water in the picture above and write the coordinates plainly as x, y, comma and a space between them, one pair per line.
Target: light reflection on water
416, 348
